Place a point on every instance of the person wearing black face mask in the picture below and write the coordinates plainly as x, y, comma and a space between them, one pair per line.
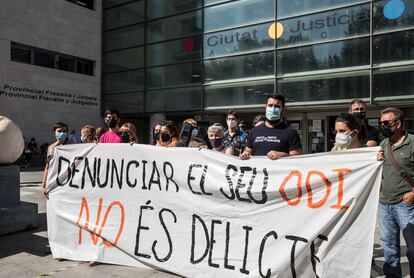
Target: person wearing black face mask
156, 133
370, 134
111, 118
128, 133
216, 137
168, 135
396, 207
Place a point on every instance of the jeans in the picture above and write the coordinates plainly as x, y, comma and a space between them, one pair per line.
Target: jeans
393, 219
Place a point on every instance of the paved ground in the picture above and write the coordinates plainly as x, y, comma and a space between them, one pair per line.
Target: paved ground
26, 254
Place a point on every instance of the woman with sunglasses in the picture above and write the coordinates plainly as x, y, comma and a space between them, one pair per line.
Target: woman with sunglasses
128, 133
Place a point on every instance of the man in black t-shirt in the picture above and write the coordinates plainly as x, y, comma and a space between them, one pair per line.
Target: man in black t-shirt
274, 138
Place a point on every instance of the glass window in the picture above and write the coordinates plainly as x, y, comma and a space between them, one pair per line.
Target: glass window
66, 63
21, 54
84, 67
393, 47
175, 27
175, 75
210, 2
238, 41
292, 7
240, 94
124, 59
393, 15
183, 99
347, 53
174, 51
44, 59
126, 103
242, 12
124, 81
260, 64
124, 38
394, 82
110, 3
330, 25
160, 8
124, 15
325, 88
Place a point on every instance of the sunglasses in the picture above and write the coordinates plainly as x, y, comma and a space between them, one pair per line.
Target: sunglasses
387, 123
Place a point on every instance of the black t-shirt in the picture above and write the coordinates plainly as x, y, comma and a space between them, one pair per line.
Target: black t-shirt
281, 138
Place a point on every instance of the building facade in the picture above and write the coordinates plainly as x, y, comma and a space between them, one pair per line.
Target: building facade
171, 59
50, 52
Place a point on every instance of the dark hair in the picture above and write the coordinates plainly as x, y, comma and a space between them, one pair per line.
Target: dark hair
111, 112
278, 97
353, 124
60, 125
233, 113
398, 114
172, 127
356, 101
259, 118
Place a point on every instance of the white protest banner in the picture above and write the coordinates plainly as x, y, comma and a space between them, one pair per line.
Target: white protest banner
199, 213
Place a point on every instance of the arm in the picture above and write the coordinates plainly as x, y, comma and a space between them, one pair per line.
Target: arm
276, 155
247, 153
44, 177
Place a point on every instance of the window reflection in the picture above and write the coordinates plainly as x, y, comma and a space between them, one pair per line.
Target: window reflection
124, 59
240, 94
260, 64
242, 12
322, 88
384, 21
160, 8
292, 7
123, 38
175, 75
326, 26
174, 51
323, 56
183, 99
124, 81
130, 103
394, 82
238, 41
124, 15
393, 47
174, 27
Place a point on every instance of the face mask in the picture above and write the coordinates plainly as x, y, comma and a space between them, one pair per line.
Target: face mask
125, 138
165, 137
386, 131
194, 132
156, 136
111, 123
83, 139
273, 113
360, 115
231, 123
61, 136
343, 140
217, 142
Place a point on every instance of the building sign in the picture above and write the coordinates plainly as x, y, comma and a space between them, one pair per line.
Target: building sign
8, 91
238, 41
338, 24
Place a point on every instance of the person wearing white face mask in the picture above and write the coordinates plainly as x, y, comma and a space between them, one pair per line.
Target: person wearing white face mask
348, 133
275, 138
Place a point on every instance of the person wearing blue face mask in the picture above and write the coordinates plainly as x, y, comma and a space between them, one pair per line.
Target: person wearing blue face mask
275, 138
60, 131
